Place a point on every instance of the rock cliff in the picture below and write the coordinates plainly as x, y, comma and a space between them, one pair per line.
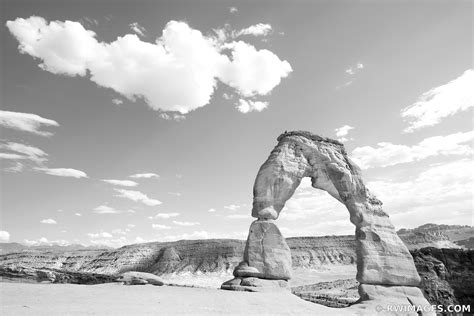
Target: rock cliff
447, 275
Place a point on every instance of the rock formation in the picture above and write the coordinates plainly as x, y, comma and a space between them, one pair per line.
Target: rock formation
447, 275
139, 278
385, 267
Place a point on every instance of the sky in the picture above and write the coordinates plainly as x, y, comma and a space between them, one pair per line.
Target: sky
125, 122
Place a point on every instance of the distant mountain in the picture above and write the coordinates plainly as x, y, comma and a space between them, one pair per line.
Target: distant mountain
12, 247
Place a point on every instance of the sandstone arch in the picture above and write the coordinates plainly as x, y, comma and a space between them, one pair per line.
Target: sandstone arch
382, 258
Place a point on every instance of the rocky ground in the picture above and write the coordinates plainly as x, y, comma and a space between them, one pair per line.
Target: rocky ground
323, 267
114, 299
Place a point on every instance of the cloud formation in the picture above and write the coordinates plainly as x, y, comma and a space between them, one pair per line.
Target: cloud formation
178, 72
342, 132
354, 69
137, 28
442, 192
441, 102
63, 172
104, 209
246, 106
259, 29
166, 215
144, 176
48, 221
388, 154
4, 236
17, 151
124, 183
137, 196
185, 223
26, 122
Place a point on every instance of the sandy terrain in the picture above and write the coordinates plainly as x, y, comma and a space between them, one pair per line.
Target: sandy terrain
116, 299
300, 276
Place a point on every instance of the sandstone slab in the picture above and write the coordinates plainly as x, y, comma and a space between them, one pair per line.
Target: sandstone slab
139, 278
252, 284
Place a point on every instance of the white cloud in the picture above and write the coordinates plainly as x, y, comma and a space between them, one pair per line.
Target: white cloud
227, 96
124, 183
48, 221
259, 29
440, 102
4, 236
160, 227
117, 101
342, 131
232, 207
388, 154
354, 69
21, 151
104, 209
166, 215
178, 72
137, 196
100, 235
144, 175
172, 116
26, 122
253, 72
174, 193
44, 241
185, 223
78, 214
63, 172
131, 225
211, 210
246, 106
233, 10
17, 167
137, 28
442, 192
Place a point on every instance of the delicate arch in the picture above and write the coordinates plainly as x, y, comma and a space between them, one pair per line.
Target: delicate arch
382, 258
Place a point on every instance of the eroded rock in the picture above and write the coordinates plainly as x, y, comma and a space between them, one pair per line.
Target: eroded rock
382, 258
385, 267
139, 278
266, 253
251, 284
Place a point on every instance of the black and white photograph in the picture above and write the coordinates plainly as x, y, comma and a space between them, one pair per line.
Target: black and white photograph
237, 157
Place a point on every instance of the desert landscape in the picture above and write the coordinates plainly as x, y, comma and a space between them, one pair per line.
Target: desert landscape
233, 157
77, 280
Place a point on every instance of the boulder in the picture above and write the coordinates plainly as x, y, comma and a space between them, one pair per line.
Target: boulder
252, 284
266, 253
139, 278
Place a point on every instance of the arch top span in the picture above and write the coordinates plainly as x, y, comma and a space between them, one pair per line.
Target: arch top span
300, 154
